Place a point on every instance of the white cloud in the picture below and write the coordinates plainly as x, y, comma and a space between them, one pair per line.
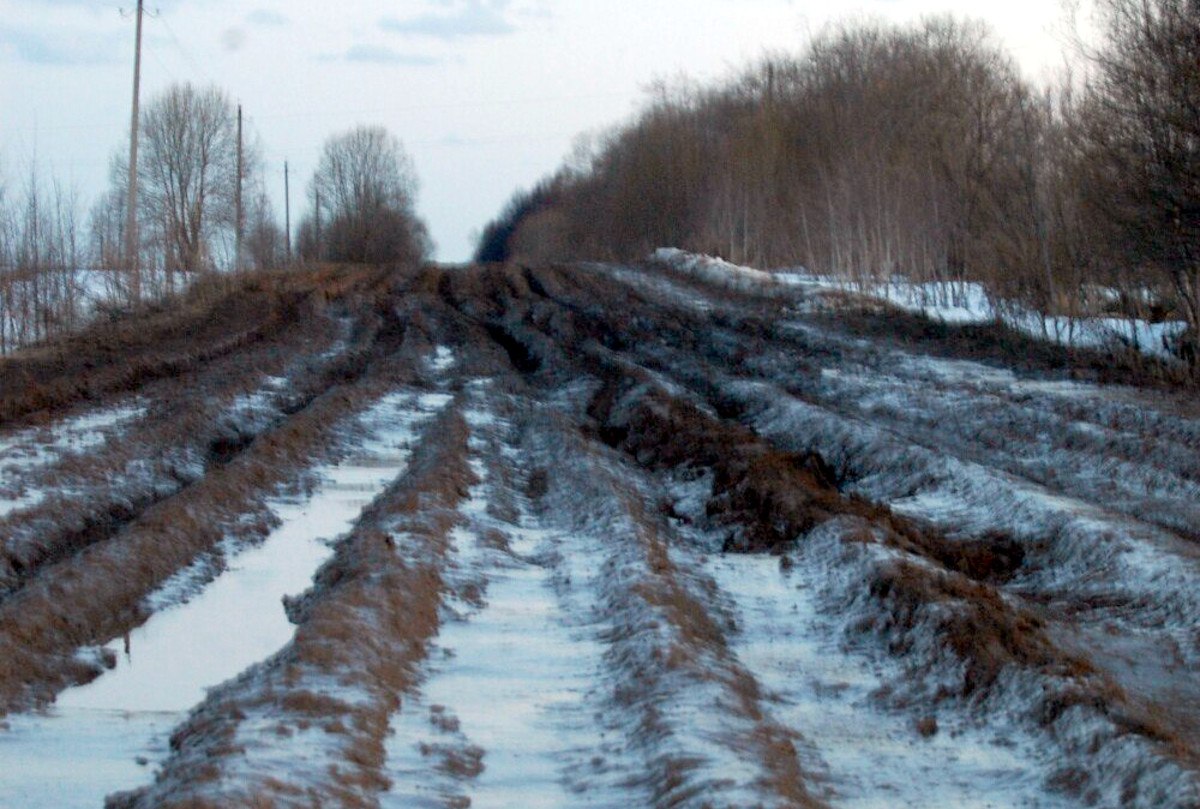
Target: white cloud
382, 55
267, 18
466, 18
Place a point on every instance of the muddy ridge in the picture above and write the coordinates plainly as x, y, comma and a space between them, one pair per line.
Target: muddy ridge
738, 519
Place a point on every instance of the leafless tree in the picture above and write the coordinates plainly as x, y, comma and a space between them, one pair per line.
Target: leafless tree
188, 176
880, 151
1141, 136
40, 258
189, 171
366, 187
264, 239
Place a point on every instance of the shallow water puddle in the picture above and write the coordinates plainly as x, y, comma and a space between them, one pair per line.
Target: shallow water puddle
873, 758
103, 737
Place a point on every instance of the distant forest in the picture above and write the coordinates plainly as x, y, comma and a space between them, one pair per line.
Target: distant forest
921, 152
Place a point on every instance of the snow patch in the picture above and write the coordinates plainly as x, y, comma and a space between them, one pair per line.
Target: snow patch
35, 448
714, 270
442, 360
949, 302
507, 685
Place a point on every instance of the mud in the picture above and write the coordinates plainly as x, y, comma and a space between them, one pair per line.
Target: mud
981, 541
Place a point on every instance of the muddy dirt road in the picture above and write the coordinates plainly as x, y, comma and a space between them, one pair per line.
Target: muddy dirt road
585, 536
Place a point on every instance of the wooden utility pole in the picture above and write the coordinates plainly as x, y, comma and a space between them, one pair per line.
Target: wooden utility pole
287, 213
239, 213
131, 222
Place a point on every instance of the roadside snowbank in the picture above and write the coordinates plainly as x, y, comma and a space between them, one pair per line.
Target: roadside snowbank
955, 303
713, 270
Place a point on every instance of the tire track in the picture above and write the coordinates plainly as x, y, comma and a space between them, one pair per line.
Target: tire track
541, 612
505, 713
308, 724
163, 668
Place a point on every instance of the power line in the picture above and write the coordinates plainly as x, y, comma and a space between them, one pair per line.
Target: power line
509, 102
187, 54
342, 114
158, 60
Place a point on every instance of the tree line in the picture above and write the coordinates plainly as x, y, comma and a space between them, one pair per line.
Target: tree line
916, 151
202, 207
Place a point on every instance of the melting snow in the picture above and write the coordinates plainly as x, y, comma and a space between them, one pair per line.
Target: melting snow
949, 302
508, 679
34, 448
95, 735
873, 757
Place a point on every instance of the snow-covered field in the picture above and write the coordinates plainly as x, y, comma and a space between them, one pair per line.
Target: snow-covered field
589, 536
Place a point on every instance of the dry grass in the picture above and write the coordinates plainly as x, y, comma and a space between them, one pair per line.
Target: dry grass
996, 342
985, 631
945, 590
212, 320
365, 623
83, 580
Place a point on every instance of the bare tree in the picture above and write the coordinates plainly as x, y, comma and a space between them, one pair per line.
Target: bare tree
881, 151
188, 180
189, 166
264, 240
40, 259
497, 241
366, 187
1141, 136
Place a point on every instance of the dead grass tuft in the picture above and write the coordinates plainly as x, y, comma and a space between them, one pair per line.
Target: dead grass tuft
996, 342
980, 627
365, 624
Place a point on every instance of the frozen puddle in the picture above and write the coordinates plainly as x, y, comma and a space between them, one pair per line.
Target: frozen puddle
507, 687
103, 737
873, 758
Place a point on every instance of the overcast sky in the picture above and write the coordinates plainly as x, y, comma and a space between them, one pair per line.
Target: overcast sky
486, 95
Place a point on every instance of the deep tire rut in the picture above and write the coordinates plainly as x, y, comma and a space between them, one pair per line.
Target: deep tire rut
666, 544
